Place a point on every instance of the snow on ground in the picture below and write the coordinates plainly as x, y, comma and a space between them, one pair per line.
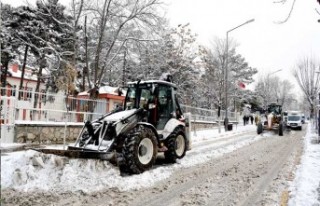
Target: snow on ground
62, 174
305, 189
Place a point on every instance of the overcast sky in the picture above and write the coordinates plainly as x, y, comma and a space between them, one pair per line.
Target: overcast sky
266, 45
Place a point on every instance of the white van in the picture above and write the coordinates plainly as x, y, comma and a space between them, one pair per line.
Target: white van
294, 120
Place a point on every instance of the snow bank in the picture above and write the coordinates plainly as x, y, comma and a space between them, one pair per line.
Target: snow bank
305, 187
62, 174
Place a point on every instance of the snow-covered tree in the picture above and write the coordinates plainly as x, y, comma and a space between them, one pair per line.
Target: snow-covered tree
79, 39
47, 31
241, 73
270, 89
112, 20
308, 80
181, 51
21, 25
214, 79
211, 80
9, 44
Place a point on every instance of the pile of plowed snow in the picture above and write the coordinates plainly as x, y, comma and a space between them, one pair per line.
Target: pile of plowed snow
31, 170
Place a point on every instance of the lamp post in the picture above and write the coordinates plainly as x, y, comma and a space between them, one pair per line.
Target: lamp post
274, 72
226, 72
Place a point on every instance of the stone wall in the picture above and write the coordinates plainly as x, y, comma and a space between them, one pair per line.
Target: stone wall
48, 134
53, 134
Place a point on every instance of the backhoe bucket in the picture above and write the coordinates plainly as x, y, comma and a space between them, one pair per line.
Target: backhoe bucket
75, 152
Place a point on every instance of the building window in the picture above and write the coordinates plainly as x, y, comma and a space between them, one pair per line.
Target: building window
13, 91
43, 95
27, 93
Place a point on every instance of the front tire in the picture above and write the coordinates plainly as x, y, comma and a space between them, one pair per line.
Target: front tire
139, 150
177, 146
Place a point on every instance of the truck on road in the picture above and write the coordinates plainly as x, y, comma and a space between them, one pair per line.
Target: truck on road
295, 120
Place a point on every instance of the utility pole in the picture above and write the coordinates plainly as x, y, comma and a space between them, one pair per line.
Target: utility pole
226, 121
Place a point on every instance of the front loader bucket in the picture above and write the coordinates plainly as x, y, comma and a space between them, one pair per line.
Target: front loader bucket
75, 152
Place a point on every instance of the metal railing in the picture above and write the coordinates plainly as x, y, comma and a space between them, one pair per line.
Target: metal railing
57, 107
49, 107
208, 115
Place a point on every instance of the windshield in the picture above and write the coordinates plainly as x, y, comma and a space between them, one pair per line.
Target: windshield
144, 97
130, 98
293, 118
274, 108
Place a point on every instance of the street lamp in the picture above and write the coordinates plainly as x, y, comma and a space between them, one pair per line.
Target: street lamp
226, 72
274, 72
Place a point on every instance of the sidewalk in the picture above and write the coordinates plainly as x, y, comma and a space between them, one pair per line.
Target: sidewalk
13, 147
209, 133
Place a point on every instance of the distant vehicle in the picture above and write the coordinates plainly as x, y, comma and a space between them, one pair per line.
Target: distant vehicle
295, 120
274, 120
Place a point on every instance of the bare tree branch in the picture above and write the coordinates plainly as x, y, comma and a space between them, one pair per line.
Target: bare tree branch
308, 80
288, 16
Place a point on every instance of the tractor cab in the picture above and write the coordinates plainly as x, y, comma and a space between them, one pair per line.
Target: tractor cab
157, 97
275, 109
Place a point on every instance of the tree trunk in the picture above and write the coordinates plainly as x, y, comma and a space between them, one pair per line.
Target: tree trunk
311, 112
36, 95
87, 60
42, 64
23, 70
4, 74
99, 45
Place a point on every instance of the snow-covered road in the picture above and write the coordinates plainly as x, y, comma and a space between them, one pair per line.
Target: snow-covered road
223, 160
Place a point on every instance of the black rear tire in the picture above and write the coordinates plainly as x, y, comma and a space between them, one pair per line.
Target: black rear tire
280, 129
139, 150
259, 128
177, 146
